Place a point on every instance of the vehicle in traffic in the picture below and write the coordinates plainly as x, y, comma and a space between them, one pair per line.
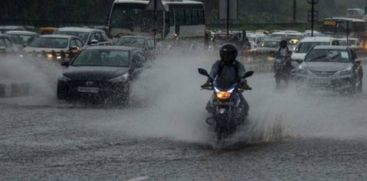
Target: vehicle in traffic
101, 73
306, 44
47, 30
175, 17
145, 43
7, 47
21, 38
282, 70
266, 47
228, 111
291, 36
308, 33
342, 27
54, 47
4, 29
331, 67
88, 35
353, 43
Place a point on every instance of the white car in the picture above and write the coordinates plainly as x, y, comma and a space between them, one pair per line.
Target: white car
306, 44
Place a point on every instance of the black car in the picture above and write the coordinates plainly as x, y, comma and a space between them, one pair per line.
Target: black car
100, 73
334, 67
145, 43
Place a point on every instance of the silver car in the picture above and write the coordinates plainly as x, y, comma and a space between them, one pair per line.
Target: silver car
334, 67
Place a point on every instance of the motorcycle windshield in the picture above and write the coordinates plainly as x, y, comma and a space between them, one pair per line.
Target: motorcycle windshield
224, 85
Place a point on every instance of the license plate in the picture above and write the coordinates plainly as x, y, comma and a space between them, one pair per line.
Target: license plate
321, 81
88, 89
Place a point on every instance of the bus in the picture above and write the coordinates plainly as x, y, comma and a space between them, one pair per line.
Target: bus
355, 13
183, 18
343, 27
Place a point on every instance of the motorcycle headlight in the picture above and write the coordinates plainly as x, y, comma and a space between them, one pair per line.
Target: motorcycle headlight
122, 78
64, 78
223, 95
347, 71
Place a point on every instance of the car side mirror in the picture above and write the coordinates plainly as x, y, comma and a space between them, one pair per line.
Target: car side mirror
65, 63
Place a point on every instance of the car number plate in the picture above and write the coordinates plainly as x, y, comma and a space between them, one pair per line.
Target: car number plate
88, 89
321, 81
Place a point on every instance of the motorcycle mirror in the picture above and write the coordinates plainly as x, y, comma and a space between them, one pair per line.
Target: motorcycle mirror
248, 74
203, 72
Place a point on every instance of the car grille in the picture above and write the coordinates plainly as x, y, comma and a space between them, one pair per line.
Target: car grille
323, 73
99, 84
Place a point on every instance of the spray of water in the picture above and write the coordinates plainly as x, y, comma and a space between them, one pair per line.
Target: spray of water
167, 103
40, 74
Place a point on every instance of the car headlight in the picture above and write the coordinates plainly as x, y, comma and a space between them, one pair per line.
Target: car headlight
54, 56
347, 71
64, 78
122, 78
50, 56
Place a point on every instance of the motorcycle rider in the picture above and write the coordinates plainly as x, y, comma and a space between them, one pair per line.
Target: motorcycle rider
283, 49
284, 54
228, 71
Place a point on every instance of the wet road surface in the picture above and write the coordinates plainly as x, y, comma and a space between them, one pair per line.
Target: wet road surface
319, 136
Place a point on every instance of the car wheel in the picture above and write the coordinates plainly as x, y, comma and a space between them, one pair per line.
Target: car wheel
124, 98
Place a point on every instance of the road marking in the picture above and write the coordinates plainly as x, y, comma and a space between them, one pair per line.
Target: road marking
139, 179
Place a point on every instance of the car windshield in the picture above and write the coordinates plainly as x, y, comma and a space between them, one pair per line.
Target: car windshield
108, 58
306, 46
49, 42
318, 55
21, 39
81, 35
131, 41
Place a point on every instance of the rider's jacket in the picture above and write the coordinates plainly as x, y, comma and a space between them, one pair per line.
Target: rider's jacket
227, 74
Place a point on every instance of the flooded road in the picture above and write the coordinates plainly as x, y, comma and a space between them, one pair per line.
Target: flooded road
162, 135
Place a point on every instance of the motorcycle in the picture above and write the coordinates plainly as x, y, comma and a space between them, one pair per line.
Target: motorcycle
282, 69
227, 107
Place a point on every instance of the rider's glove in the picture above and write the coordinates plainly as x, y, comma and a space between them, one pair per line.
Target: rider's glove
207, 84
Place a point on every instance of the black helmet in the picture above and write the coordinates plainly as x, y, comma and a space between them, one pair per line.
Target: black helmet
283, 44
228, 51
